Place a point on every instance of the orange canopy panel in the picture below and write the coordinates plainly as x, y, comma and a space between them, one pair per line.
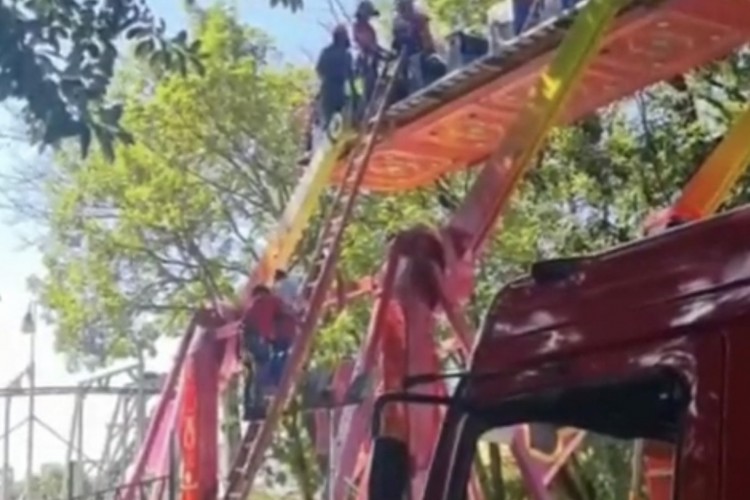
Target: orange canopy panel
457, 122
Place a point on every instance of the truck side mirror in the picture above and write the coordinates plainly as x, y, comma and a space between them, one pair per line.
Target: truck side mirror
389, 469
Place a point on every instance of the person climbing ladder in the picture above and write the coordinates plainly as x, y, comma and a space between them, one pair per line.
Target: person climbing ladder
267, 330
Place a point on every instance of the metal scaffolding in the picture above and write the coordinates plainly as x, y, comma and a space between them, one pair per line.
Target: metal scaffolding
132, 385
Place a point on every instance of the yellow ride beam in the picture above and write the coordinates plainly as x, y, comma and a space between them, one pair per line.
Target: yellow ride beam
710, 186
301, 206
526, 136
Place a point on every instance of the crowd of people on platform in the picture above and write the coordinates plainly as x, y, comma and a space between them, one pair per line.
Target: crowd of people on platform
339, 71
341, 75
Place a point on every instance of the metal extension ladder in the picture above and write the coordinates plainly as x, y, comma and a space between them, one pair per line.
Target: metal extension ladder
258, 436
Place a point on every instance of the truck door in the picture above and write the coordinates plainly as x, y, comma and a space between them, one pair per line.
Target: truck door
736, 421
670, 388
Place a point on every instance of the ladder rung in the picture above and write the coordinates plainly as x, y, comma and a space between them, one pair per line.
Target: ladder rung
336, 219
332, 229
312, 284
348, 181
318, 264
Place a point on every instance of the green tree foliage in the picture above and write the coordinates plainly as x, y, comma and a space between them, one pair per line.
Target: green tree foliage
58, 58
178, 216
174, 220
456, 14
48, 483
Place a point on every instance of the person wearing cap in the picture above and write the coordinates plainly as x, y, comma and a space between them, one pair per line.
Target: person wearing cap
370, 53
364, 34
335, 69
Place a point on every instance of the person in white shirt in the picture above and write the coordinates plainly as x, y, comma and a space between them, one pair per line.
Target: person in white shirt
286, 288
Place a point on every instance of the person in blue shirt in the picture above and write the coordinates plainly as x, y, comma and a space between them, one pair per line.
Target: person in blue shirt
335, 69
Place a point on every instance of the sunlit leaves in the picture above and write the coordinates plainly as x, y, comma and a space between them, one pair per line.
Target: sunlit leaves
59, 57
145, 231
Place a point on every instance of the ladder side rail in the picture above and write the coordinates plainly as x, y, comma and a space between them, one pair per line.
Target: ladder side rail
236, 468
328, 225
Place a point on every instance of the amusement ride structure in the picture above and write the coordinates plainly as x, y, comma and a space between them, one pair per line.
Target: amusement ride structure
492, 113
128, 387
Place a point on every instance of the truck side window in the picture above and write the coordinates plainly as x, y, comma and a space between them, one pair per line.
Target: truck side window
601, 426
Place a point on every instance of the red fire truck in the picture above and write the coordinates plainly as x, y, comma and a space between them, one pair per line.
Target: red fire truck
646, 341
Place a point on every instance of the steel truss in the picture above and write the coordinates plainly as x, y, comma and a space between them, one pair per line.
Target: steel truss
132, 387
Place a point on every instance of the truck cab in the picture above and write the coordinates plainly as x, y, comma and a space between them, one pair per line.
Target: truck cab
647, 341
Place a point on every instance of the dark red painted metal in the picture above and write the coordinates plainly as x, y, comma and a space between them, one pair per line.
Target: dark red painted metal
673, 300
353, 423
736, 440
168, 392
202, 376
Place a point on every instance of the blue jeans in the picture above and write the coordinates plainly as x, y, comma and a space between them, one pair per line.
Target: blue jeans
279, 354
261, 376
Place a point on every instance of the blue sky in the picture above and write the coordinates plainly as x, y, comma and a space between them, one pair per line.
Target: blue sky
299, 36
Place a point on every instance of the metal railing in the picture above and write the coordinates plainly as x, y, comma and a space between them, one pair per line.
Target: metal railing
158, 488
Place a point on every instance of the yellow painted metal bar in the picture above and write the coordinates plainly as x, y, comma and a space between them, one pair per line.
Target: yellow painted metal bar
557, 83
301, 206
506, 167
710, 186
562, 76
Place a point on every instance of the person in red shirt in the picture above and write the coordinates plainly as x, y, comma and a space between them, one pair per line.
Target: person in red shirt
267, 329
370, 53
364, 34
